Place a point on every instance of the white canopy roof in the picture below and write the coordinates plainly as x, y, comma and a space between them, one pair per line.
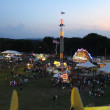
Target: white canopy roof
10, 52
56, 75
106, 68
55, 71
87, 64
49, 69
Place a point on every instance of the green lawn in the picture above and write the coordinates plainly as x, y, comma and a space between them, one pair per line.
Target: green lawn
37, 94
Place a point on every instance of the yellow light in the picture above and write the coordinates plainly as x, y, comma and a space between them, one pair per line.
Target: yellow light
43, 59
65, 64
61, 55
61, 33
56, 63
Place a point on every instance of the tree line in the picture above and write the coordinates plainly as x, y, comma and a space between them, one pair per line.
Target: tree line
95, 44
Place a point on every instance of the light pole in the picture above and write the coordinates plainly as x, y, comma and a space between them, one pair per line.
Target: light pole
105, 52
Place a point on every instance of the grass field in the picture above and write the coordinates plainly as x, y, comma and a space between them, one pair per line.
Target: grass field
37, 94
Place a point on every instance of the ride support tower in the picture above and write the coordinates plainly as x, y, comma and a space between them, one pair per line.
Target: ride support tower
61, 40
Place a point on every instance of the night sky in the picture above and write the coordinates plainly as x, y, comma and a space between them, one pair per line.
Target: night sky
40, 18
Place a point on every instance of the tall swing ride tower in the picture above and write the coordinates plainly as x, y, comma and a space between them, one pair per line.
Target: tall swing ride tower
61, 41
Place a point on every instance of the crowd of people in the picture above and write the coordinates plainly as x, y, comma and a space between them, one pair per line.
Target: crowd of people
93, 85
38, 70
96, 92
15, 83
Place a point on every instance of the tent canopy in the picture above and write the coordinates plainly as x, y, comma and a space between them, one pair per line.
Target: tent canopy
87, 64
10, 52
106, 68
56, 75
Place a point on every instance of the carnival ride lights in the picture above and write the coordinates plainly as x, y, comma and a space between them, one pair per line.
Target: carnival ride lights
81, 56
41, 57
61, 41
57, 63
29, 66
65, 77
61, 64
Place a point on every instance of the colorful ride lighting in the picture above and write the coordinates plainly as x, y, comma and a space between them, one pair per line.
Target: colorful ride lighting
43, 59
57, 63
81, 56
61, 22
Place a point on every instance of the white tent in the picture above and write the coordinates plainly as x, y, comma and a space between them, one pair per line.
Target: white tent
55, 71
10, 52
67, 71
87, 64
56, 75
49, 69
106, 68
